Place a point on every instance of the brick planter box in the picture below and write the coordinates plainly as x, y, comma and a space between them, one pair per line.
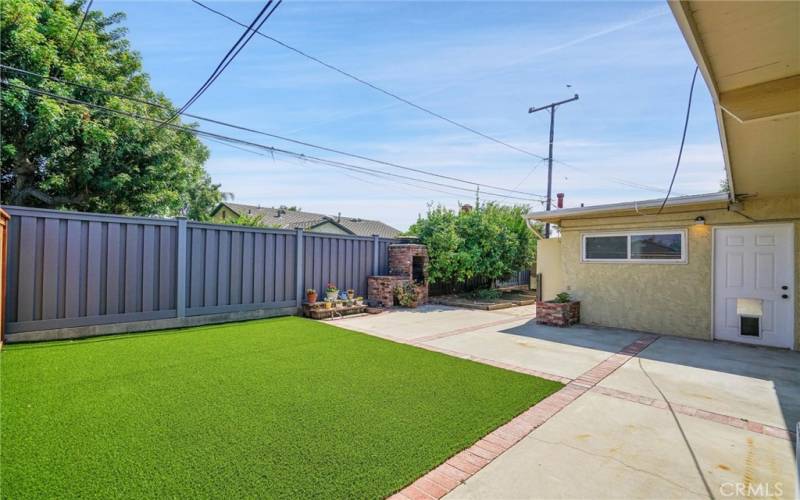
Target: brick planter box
558, 314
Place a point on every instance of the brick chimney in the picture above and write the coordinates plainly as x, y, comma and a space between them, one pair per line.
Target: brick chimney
560, 202
466, 208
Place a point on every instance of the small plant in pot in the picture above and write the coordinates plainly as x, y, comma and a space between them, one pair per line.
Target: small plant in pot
328, 304
331, 291
311, 295
359, 301
351, 293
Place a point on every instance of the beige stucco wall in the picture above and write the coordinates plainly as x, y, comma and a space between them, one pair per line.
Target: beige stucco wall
228, 214
672, 299
548, 264
328, 228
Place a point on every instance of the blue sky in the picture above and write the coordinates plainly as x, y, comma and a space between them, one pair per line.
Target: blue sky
480, 63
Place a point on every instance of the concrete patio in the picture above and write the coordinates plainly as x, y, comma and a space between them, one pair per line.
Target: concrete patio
674, 418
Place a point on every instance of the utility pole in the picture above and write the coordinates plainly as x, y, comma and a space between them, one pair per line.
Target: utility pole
552, 108
477, 198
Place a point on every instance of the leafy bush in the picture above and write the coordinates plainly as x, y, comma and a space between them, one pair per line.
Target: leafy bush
562, 298
406, 294
492, 241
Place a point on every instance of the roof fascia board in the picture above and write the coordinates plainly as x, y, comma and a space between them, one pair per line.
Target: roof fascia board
577, 213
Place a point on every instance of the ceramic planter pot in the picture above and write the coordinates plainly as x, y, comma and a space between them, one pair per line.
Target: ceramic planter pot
311, 297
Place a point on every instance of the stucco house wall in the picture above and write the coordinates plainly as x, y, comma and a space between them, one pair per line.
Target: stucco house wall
673, 299
548, 264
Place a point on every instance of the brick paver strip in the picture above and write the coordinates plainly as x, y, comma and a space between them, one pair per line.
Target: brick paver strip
465, 464
739, 423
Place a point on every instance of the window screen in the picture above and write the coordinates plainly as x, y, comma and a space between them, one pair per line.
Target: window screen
656, 246
607, 247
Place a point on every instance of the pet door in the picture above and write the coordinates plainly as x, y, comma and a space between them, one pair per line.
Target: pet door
750, 312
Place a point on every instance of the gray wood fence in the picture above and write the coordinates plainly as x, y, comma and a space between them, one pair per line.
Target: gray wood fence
71, 269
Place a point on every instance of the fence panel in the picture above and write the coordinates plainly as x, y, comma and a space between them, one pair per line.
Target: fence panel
340, 259
73, 269
232, 268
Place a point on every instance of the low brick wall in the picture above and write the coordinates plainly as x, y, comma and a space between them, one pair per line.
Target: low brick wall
558, 314
380, 290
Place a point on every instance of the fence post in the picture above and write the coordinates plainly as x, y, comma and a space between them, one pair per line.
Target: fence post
180, 279
299, 262
375, 254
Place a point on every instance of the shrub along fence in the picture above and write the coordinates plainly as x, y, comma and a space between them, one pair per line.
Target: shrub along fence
74, 274
519, 278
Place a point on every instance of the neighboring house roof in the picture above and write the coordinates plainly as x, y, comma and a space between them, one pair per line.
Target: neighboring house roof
293, 219
749, 54
631, 207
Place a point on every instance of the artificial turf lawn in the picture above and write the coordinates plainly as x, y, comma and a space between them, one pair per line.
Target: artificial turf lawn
282, 407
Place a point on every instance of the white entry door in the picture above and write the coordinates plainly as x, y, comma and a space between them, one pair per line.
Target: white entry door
754, 284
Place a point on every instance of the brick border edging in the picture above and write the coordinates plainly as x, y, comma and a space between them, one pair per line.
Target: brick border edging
691, 411
463, 465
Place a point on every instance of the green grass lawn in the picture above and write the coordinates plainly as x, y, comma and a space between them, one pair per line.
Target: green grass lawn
282, 407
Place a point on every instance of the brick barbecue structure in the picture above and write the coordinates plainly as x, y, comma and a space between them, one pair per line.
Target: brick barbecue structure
408, 262
557, 313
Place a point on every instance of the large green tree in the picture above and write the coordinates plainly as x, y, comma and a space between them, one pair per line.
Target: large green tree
491, 241
62, 155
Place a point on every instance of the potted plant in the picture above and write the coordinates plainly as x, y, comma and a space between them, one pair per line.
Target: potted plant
328, 304
331, 291
561, 311
359, 301
311, 295
351, 293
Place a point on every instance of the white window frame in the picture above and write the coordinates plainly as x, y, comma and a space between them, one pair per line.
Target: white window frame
684, 247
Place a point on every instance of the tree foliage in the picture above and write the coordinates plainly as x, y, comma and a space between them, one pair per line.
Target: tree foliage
61, 155
492, 241
246, 220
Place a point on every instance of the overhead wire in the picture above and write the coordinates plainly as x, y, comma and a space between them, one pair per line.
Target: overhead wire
372, 85
234, 51
683, 139
271, 149
276, 136
419, 107
80, 26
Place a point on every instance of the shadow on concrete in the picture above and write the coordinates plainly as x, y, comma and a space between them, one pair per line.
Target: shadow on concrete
779, 366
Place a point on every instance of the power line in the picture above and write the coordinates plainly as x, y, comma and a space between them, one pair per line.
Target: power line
271, 149
373, 86
80, 26
237, 47
417, 106
276, 136
683, 139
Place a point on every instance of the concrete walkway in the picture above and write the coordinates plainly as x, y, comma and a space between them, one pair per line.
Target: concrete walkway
641, 416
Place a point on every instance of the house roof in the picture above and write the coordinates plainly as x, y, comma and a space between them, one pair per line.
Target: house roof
632, 207
749, 55
294, 219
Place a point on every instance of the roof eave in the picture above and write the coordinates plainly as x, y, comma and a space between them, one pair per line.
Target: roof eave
633, 207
